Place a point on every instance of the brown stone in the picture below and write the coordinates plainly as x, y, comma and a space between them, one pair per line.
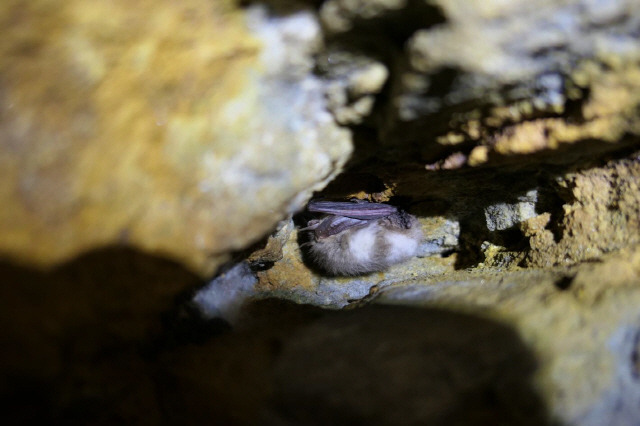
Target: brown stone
146, 125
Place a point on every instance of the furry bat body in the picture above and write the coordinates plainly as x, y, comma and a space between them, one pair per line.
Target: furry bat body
359, 237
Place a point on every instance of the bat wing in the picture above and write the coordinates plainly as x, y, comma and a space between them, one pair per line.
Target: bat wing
333, 225
362, 210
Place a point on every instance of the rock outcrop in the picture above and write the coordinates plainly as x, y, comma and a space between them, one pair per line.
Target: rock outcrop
143, 147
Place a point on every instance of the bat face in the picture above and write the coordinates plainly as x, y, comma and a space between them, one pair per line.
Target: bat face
358, 237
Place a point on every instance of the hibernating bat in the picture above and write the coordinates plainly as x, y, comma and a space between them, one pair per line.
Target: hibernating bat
358, 237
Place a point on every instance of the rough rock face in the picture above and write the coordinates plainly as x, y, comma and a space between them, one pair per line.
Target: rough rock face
582, 322
511, 129
601, 214
494, 76
168, 127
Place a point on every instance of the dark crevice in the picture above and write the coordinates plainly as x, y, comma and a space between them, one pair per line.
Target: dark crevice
552, 199
573, 107
396, 25
284, 7
635, 357
564, 283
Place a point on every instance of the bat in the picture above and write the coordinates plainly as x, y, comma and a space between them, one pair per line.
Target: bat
358, 237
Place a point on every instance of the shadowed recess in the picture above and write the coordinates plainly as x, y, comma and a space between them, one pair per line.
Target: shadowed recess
74, 338
397, 365
84, 344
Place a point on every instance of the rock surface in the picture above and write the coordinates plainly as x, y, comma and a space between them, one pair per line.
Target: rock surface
496, 77
582, 323
511, 129
167, 127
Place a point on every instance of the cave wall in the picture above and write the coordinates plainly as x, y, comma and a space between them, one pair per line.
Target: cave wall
156, 159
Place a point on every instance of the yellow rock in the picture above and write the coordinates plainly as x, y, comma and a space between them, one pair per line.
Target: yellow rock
130, 123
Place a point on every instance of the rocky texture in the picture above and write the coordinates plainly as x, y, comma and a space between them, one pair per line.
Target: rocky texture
582, 323
510, 128
557, 220
474, 347
601, 214
496, 77
296, 278
548, 121
167, 127
225, 295
411, 363
354, 81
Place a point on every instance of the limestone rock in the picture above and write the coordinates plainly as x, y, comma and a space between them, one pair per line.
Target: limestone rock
338, 15
225, 295
504, 70
581, 322
183, 129
354, 80
376, 365
504, 216
601, 214
490, 79
509, 128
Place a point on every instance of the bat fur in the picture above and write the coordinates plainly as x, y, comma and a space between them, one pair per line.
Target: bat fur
355, 238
